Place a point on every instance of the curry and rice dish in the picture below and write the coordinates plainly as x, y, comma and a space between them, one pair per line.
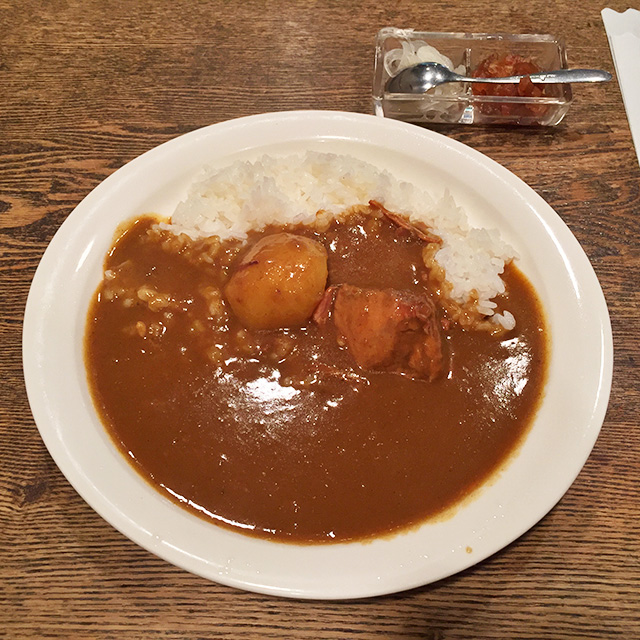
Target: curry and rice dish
316, 381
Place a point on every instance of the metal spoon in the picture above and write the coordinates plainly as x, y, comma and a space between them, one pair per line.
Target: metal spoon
425, 75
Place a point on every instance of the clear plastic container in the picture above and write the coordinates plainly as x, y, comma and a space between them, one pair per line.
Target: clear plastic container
456, 102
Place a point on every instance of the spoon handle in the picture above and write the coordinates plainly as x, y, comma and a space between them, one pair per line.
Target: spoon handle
549, 77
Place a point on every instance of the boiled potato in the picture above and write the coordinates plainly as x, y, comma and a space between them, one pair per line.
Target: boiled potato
279, 282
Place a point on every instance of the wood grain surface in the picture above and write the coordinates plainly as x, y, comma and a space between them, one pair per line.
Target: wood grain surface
86, 87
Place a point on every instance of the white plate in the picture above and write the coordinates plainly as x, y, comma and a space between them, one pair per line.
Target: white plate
559, 443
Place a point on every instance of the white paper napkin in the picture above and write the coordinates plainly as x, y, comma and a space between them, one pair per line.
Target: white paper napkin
623, 31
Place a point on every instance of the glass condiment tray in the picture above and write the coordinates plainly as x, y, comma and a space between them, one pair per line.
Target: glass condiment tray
460, 103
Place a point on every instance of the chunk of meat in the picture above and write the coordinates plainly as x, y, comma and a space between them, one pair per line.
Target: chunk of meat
388, 330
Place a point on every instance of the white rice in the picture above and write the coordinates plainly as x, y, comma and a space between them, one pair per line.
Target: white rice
292, 189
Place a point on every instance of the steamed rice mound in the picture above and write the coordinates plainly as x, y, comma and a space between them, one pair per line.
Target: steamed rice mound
296, 189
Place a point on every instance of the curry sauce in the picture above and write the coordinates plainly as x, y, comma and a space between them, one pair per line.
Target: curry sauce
279, 434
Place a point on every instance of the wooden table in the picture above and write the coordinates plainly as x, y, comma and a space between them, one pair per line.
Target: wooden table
86, 87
